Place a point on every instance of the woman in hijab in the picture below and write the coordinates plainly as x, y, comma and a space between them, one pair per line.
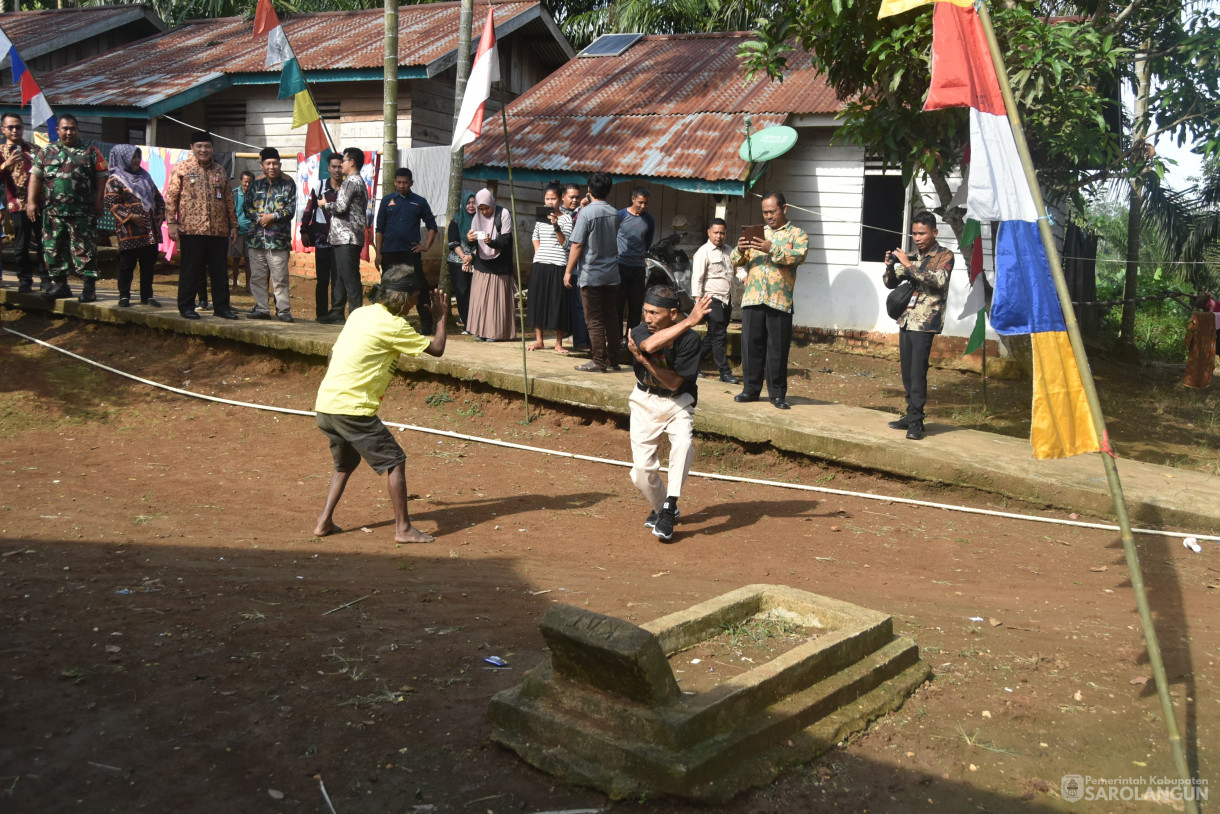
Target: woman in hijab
461, 255
138, 209
492, 311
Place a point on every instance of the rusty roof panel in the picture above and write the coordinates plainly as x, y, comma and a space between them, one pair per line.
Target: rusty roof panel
677, 74
186, 57
697, 145
41, 30
668, 107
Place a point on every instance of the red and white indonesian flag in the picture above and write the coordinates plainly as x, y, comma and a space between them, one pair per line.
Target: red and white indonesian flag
484, 71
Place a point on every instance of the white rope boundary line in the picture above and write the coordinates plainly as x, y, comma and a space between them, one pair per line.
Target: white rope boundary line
612, 462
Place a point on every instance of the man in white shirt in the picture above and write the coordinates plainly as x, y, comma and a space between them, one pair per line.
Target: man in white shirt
712, 276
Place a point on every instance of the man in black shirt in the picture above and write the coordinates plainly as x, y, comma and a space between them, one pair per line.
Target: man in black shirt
667, 353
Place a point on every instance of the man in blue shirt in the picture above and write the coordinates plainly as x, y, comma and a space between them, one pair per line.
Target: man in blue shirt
397, 238
635, 232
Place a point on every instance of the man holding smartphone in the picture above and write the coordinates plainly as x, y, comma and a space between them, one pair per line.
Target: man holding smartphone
924, 317
767, 266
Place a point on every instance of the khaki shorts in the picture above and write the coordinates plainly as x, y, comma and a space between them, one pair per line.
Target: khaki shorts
353, 437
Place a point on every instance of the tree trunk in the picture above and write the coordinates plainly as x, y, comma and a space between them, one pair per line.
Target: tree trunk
1126, 336
953, 216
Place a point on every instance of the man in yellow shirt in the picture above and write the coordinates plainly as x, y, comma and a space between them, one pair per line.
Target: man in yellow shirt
362, 363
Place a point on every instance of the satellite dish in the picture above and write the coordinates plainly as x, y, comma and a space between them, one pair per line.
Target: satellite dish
768, 143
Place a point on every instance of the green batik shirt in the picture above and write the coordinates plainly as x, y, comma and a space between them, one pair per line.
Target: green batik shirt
771, 277
72, 176
278, 198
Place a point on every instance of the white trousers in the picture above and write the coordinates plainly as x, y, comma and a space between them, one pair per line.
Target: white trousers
273, 264
652, 415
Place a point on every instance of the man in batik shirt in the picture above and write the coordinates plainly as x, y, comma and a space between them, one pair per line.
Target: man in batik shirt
269, 204
767, 266
924, 317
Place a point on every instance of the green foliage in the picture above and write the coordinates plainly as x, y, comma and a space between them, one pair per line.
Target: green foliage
582, 21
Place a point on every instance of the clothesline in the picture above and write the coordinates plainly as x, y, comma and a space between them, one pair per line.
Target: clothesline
214, 135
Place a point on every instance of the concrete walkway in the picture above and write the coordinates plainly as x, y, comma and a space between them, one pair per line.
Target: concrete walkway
1156, 495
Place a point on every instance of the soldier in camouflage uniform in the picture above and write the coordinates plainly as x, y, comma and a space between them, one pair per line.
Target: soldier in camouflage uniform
73, 177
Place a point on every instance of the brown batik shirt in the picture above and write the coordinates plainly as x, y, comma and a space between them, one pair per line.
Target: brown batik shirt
17, 177
199, 200
930, 273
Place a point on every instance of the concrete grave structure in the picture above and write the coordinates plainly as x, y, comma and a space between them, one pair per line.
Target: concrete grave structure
607, 711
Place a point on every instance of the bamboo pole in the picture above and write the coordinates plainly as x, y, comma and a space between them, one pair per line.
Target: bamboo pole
389, 99
512, 202
465, 20
1090, 390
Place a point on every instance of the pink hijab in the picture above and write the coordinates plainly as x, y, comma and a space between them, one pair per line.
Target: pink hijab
484, 197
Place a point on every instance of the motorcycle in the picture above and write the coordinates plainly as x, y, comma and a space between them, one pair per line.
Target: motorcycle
666, 264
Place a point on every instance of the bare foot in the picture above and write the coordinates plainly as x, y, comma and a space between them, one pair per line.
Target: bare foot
324, 528
536, 346
414, 535
561, 349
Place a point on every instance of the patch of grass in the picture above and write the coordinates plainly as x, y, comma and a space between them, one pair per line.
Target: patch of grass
973, 740
438, 399
383, 696
474, 410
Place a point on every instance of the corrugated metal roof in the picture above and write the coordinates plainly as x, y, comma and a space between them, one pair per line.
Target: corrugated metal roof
44, 30
669, 107
160, 67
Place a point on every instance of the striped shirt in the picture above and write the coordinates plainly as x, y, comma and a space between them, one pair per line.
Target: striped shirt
549, 250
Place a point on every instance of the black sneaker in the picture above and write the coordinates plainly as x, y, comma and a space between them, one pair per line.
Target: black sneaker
26, 287
901, 424
915, 431
664, 527
151, 302
285, 317
651, 522
204, 305
255, 314
124, 302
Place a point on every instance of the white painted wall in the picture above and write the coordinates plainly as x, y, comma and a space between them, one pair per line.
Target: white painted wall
834, 289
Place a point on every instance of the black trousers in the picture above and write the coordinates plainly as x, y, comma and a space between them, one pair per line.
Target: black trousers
716, 338
146, 257
604, 339
349, 293
914, 350
416, 261
324, 268
203, 256
460, 281
630, 296
766, 334
27, 237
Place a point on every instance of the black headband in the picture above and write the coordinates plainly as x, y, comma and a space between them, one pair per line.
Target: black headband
403, 285
653, 298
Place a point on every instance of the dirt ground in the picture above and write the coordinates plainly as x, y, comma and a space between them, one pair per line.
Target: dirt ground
1149, 414
176, 640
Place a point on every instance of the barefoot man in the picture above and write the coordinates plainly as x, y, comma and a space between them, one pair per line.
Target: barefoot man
361, 363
